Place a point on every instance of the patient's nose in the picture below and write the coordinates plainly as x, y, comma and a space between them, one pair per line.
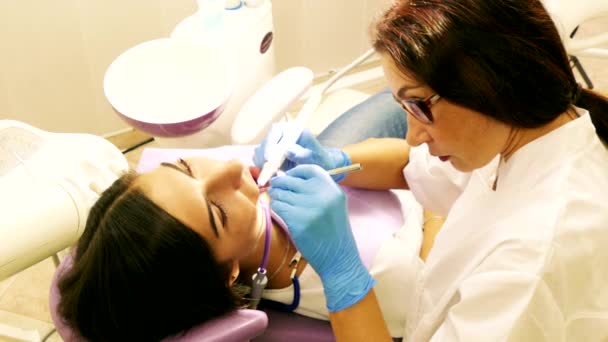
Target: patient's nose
227, 175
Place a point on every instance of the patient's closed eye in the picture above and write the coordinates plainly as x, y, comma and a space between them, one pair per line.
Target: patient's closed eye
223, 216
221, 210
187, 170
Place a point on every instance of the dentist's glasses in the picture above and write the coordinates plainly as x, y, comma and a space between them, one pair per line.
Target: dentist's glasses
420, 108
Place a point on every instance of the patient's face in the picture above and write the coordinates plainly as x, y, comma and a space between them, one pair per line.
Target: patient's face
217, 199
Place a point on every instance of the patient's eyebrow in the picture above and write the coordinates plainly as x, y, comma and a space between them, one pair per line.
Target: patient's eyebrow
175, 167
209, 211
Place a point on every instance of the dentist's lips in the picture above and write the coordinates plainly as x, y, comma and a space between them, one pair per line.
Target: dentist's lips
444, 158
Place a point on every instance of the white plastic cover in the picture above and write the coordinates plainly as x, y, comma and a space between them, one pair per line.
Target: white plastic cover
48, 182
269, 103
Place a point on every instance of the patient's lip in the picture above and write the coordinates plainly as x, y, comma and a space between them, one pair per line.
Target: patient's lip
250, 176
255, 172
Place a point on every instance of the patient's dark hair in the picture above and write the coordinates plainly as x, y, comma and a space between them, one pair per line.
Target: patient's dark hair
502, 58
139, 274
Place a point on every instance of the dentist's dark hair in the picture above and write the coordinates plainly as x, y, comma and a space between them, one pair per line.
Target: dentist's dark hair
139, 274
502, 58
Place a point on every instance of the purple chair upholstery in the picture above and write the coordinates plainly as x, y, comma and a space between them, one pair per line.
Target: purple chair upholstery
64, 330
238, 326
288, 326
284, 326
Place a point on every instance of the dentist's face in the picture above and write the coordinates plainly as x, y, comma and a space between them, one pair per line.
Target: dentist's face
465, 138
216, 199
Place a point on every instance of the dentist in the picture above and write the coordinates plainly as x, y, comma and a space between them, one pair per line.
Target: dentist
501, 141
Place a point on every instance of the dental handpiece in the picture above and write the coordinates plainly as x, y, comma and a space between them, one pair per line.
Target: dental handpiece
336, 171
289, 137
273, 164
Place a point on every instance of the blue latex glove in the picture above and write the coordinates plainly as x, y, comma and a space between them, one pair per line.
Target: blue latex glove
314, 209
307, 150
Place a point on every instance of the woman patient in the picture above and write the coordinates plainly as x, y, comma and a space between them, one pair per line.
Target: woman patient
162, 251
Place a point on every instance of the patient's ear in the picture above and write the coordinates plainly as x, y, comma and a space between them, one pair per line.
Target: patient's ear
234, 273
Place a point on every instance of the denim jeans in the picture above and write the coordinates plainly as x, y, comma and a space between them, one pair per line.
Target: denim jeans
377, 117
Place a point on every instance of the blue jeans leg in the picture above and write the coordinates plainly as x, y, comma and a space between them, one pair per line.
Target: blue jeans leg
377, 117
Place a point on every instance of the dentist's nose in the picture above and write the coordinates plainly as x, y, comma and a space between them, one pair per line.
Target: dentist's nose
416, 132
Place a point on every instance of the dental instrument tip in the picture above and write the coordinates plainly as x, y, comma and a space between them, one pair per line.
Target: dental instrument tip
345, 169
267, 172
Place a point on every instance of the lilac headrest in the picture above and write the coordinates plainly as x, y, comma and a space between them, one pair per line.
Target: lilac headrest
238, 326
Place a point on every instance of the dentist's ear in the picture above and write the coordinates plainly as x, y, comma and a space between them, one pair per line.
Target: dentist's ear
234, 273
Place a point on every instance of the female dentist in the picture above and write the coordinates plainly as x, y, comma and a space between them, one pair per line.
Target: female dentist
506, 145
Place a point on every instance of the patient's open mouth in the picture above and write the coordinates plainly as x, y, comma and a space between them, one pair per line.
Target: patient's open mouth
255, 173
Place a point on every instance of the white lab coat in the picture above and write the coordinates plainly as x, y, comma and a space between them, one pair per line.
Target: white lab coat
527, 262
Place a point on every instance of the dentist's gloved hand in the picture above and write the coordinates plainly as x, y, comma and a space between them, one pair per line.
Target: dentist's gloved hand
314, 209
307, 150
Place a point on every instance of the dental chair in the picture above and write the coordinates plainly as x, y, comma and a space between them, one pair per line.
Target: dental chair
568, 15
267, 325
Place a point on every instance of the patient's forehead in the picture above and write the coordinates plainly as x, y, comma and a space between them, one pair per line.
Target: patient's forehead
177, 194
160, 178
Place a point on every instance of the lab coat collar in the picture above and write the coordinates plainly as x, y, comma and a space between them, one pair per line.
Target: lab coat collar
545, 153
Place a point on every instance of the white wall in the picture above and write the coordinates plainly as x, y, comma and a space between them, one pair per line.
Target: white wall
323, 34
53, 54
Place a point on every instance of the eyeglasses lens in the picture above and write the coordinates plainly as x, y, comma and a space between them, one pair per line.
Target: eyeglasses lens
419, 109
